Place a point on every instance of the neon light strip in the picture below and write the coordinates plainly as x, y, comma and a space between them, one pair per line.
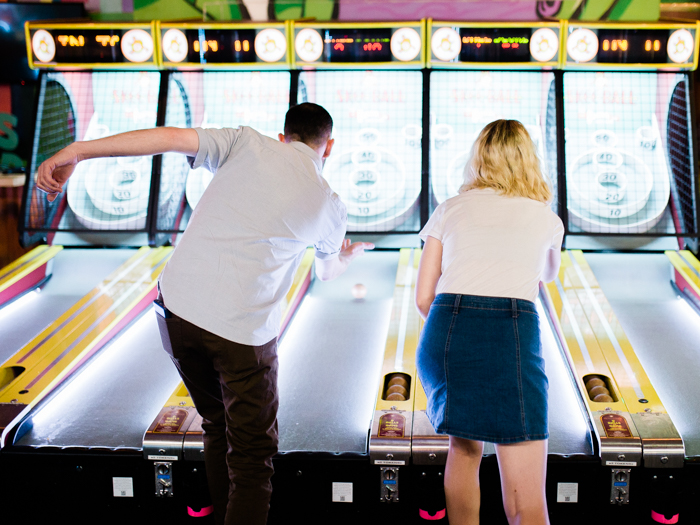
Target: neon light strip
609, 331
405, 305
574, 325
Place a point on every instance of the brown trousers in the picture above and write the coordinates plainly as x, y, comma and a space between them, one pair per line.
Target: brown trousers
234, 388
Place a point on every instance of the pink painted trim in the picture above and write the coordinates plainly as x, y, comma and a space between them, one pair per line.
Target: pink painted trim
660, 518
424, 514
683, 284
205, 511
26, 283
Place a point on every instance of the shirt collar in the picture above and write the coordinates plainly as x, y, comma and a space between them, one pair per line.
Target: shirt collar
306, 150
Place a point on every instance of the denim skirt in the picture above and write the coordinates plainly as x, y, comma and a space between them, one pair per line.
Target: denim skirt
480, 362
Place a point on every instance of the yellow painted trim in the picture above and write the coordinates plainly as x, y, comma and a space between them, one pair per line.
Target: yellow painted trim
567, 326
623, 380
26, 264
28, 39
683, 261
244, 66
357, 25
307, 263
180, 397
359, 65
632, 26
690, 259
219, 25
92, 25
409, 260
56, 351
157, 40
443, 23
696, 52
494, 65
563, 36
666, 66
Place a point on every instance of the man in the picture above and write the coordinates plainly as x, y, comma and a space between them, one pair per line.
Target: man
225, 281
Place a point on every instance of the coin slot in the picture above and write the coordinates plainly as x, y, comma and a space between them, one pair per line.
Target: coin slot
397, 387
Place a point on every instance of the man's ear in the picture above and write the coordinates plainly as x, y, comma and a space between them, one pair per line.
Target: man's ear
281, 137
329, 147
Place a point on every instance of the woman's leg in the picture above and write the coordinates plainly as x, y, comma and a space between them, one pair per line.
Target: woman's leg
462, 481
523, 469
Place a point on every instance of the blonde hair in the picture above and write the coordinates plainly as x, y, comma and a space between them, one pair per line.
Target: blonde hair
504, 158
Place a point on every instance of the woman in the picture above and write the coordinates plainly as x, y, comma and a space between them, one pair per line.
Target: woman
479, 358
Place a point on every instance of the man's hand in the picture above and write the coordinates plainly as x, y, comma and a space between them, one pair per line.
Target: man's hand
350, 251
327, 269
54, 172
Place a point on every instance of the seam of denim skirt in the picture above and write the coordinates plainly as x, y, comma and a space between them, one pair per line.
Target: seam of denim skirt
520, 379
448, 341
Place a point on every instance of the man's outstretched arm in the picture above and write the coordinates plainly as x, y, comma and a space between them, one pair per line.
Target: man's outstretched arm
55, 171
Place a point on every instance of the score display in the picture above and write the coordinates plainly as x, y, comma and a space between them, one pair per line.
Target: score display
91, 46
218, 45
353, 44
492, 44
612, 45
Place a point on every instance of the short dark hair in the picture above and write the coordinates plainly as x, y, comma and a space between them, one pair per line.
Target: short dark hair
308, 123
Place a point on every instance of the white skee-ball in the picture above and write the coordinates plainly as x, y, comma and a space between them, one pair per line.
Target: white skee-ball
359, 291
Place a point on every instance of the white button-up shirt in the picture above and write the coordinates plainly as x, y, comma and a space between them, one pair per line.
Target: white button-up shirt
237, 258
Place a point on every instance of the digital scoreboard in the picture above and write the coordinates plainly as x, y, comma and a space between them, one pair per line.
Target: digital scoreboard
224, 45
349, 45
459, 44
619, 46
93, 45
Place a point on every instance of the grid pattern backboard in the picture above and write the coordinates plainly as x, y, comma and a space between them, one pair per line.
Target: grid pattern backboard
109, 194
375, 165
463, 102
215, 99
628, 155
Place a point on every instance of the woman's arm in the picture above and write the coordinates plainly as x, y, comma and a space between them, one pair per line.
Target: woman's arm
429, 272
55, 171
551, 265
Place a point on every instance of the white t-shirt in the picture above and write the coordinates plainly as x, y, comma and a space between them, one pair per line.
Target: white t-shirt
237, 258
493, 245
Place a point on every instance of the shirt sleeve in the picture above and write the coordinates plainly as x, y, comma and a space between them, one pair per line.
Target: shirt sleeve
433, 227
558, 236
215, 146
330, 246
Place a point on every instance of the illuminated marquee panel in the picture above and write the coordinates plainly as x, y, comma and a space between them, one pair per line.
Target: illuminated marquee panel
615, 46
91, 45
223, 45
350, 45
454, 44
